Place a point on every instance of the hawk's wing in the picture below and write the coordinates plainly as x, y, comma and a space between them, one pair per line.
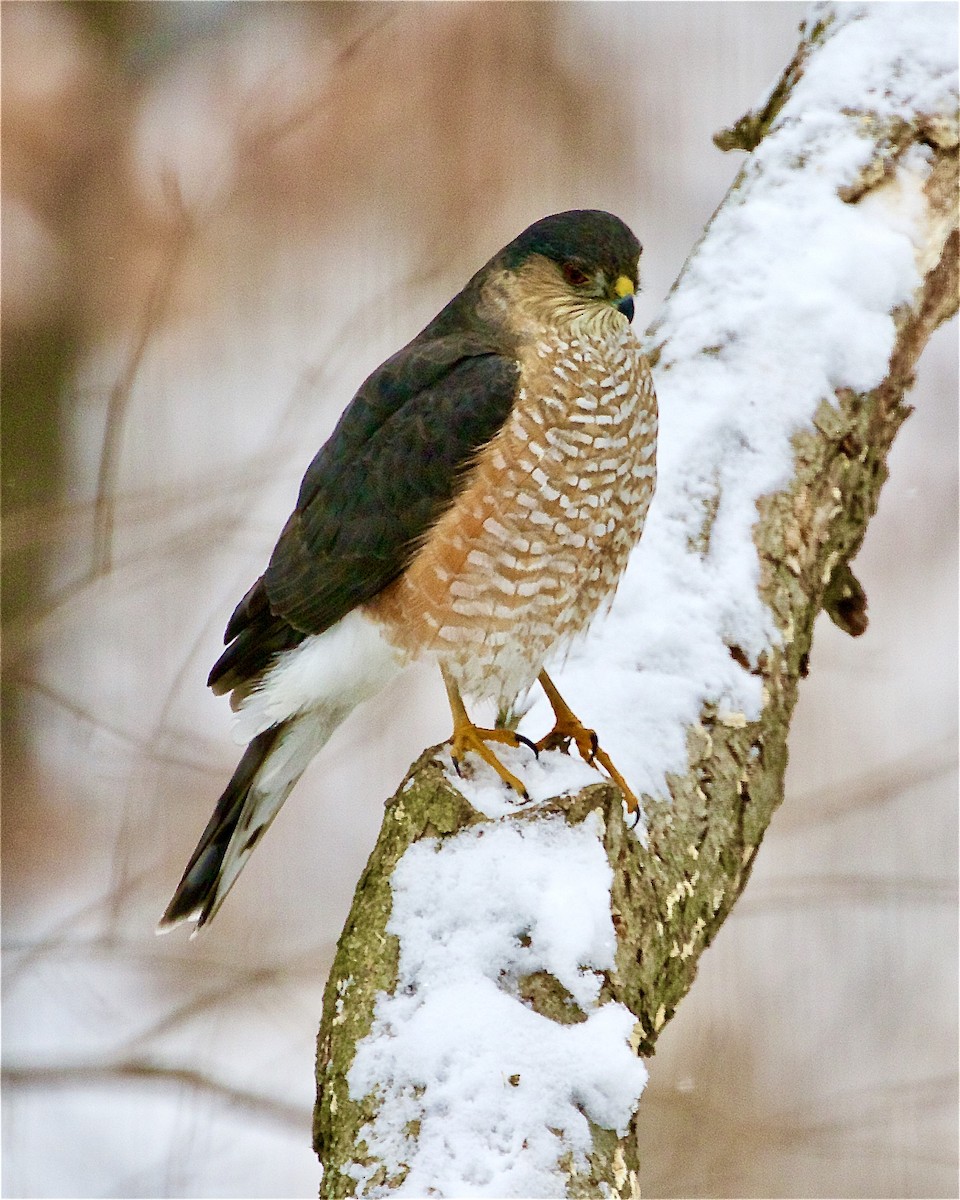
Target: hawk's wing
392, 466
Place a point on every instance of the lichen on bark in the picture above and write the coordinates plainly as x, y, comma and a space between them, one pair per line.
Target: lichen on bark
365, 965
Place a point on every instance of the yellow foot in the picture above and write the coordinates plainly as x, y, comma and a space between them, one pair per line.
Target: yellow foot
569, 728
467, 737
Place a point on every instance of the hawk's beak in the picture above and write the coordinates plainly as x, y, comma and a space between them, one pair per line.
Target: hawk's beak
624, 291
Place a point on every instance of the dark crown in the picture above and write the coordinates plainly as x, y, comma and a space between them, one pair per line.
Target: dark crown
584, 235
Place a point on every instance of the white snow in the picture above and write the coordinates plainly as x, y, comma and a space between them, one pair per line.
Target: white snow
788, 299
545, 776
500, 1093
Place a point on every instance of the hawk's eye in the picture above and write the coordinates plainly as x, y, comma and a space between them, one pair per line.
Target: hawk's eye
574, 276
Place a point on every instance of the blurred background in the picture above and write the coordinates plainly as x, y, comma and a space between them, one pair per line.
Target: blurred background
217, 219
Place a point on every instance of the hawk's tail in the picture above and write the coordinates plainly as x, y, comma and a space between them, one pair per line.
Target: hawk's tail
271, 765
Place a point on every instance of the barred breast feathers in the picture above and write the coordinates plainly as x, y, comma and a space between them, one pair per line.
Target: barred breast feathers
541, 533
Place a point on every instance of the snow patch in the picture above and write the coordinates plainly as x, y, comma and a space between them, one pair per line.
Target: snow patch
545, 776
479, 1094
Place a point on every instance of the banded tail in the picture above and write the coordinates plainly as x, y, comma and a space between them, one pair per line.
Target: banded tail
288, 715
266, 775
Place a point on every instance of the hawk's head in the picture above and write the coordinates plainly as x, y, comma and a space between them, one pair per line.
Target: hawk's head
578, 264
578, 267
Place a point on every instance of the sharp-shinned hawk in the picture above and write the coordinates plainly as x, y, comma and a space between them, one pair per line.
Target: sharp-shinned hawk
476, 503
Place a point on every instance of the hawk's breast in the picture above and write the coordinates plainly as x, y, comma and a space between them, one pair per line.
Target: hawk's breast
542, 530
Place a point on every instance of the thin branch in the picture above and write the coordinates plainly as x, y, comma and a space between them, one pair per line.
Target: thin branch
139, 1071
184, 227
151, 318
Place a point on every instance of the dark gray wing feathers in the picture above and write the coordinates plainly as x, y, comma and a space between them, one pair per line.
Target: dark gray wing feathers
392, 466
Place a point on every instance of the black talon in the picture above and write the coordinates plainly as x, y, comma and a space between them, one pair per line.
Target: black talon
636, 819
591, 757
526, 742
524, 795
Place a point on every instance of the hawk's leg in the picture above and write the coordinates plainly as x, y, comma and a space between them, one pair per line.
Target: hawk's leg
467, 736
569, 728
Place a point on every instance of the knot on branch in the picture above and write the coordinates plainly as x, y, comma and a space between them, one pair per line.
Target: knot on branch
845, 601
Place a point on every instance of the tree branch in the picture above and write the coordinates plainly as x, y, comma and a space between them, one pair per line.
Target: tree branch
139, 1071
783, 355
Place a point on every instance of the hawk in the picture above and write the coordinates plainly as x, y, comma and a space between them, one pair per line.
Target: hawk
476, 504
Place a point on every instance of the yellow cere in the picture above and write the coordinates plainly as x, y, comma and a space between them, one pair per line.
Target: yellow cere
623, 287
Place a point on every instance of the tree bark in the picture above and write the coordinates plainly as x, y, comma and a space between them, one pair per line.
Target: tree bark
672, 889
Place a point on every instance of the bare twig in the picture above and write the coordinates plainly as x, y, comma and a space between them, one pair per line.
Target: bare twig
94, 1074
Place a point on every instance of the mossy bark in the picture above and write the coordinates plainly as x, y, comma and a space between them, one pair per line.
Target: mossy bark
672, 894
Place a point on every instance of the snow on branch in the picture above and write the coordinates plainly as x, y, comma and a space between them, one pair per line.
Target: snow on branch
503, 966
